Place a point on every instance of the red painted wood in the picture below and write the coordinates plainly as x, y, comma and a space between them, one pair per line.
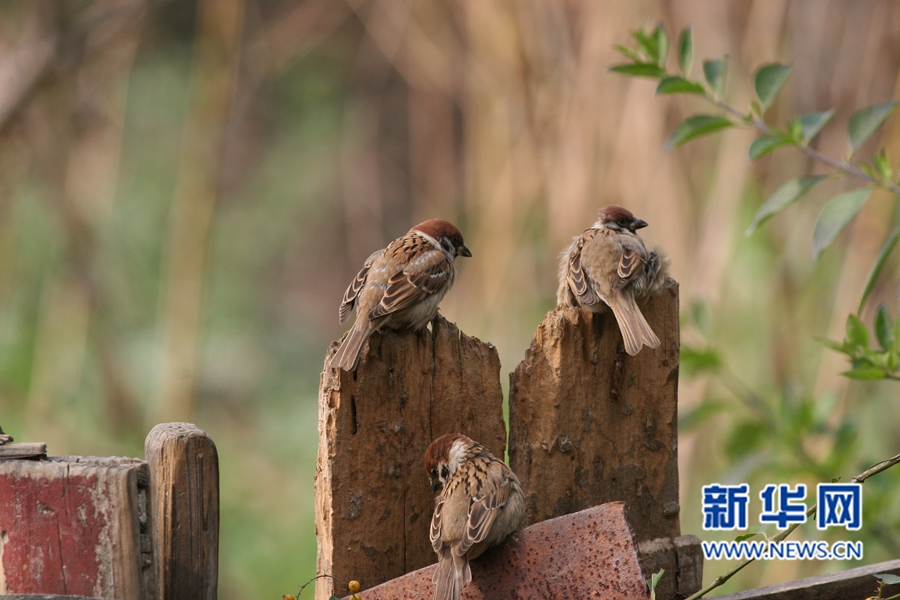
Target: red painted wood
51, 530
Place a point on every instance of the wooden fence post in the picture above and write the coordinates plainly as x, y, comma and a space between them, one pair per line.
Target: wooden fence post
75, 525
590, 424
184, 500
373, 499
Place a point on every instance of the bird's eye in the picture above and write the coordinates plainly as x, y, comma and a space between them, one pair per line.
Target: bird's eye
623, 222
433, 473
445, 472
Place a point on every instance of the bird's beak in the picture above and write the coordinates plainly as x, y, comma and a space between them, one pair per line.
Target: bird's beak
464, 251
638, 223
436, 483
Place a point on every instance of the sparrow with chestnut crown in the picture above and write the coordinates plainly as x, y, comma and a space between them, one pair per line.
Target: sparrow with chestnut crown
608, 265
400, 286
479, 504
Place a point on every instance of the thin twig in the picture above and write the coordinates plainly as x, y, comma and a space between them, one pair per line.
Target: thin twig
873, 470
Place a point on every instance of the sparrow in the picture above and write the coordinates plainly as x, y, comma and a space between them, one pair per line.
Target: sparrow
480, 503
608, 265
400, 286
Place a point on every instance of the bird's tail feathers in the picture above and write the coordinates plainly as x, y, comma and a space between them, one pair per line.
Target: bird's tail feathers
347, 355
636, 332
451, 575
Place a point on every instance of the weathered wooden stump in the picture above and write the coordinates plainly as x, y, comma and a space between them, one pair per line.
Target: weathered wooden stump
77, 526
590, 424
184, 499
373, 499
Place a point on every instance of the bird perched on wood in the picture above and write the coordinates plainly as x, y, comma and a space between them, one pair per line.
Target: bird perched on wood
400, 286
608, 265
480, 503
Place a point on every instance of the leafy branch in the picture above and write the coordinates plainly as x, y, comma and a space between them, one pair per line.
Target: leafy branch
810, 512
648, 58
868, 363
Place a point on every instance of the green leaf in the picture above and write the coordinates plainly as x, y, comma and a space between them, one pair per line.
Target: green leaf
866, 374
783, 197
795, 130
627, 52
639, 69
714, 71
765, 144
695, 417
886, 249
662, 45
856, 332
756, 108
654, 580
863, 123
835, 216
883, 166
836, 346
888, 578
698, 360
868, 170
769, 80
694, 127
647, 44
334, 598
884, 327
754, 530
812, 123
679, 85
686, 51
745, 438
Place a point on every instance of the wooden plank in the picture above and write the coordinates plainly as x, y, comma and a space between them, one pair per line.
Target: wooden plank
590, 424
588, 554
184, 501
682, 560
73, 525
23, 450
854, 584
373, 499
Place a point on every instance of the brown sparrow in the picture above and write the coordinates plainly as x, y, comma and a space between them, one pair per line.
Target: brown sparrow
400, 286
480, 503
608, 265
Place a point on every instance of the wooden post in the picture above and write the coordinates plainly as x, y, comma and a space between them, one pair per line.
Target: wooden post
373, 499
590, 424
75, 525
184, 500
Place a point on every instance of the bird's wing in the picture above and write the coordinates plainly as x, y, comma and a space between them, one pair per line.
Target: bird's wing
631, 263
426, 272
576, 276
435, 531
483, 511
356, 285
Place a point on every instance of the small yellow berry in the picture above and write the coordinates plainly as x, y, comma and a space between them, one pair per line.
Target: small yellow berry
353, 586
287, 597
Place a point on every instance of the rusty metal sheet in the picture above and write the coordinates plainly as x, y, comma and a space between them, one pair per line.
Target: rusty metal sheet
588, 554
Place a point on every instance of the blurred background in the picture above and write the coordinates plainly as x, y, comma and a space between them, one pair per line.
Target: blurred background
186, 189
